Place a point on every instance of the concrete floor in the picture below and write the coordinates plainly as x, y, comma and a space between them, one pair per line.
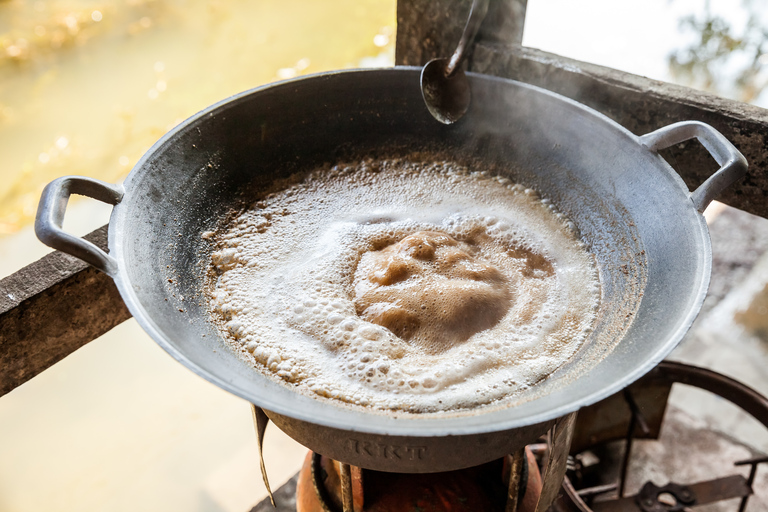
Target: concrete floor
730, 335
709, 455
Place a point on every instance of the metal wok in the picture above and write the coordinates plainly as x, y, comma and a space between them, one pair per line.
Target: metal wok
635, 213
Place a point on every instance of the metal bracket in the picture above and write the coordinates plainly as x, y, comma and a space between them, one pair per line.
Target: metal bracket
648, 499
260, 421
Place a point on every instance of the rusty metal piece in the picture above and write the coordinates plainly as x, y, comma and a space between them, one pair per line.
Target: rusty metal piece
260, 421
330, 488
636, 418
594, 491
754, 462
519, 461
636, 413
608, 420
627, 453
569, 500
346, 488
358, 486
752, 402
321, 498
650, 498
327, 478
725, 488
710, 491
561, 436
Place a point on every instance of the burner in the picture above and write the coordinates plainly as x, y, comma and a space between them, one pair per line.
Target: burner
482, 488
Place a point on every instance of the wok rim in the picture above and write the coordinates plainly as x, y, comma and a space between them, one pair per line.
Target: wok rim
408, 425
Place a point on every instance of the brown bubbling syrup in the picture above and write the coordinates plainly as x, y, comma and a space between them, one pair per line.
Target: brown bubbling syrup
430, 290
404, 285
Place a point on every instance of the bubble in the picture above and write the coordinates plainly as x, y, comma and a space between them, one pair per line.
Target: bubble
304, 273
369, 332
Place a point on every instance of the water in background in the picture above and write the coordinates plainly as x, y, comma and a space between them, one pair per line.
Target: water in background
87, 86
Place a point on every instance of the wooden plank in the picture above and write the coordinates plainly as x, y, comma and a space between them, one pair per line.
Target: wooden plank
51, 308
643, 105
427, 29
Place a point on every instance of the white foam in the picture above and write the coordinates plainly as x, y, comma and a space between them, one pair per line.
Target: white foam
295, 279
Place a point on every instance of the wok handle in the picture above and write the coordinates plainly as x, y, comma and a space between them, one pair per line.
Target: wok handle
733, 165
50, 216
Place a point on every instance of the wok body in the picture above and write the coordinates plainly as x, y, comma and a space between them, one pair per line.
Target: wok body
633, 210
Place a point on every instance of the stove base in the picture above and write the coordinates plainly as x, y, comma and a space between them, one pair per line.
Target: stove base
478, 489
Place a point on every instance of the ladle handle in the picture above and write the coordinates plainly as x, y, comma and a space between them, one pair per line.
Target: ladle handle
733, 165
476, 17
50, 217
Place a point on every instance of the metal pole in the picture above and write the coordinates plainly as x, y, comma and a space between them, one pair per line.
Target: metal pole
346, 488
515, 475
635, 418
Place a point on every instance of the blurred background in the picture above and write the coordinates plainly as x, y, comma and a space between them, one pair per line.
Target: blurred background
87, 86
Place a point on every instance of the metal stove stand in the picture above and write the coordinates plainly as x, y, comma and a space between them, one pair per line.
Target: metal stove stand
603, 445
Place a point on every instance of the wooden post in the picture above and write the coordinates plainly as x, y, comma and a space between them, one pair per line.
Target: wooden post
427, 29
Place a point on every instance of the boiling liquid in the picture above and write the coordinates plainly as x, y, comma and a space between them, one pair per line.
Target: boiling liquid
403, 285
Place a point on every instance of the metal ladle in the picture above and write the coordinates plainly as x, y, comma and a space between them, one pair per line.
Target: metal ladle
444, 85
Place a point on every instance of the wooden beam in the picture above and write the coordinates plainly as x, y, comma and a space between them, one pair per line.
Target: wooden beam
51, 308
643, 105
